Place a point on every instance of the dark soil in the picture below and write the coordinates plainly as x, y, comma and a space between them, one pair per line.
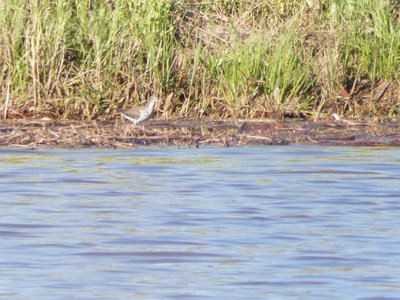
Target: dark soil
186, 132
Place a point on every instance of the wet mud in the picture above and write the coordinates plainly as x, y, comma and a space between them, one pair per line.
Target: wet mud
187, 132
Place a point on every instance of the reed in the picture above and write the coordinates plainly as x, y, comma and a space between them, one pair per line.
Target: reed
225, 58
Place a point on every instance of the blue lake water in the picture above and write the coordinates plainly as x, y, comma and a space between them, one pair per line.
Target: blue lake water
296, 222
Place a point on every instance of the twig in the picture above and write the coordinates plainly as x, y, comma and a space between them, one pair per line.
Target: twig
353, 88
7, 100
382, 92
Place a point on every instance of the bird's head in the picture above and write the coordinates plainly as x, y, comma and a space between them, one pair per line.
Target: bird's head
155, 99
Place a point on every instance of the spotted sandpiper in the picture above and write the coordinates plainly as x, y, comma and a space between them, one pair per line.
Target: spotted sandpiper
140, 114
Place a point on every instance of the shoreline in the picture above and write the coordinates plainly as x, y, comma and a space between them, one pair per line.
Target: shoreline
194, 133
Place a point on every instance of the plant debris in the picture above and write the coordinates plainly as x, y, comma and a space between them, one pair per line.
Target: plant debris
187, 132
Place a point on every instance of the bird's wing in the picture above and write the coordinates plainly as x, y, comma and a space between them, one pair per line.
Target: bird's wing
134, 114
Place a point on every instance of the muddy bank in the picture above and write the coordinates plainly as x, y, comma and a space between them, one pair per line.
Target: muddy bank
196, 133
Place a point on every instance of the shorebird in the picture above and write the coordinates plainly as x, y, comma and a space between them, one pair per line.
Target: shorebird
140, 114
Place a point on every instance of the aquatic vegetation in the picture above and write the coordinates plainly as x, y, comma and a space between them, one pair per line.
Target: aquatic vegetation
225, 58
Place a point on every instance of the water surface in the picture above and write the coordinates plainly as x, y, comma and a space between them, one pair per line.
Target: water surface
294, 222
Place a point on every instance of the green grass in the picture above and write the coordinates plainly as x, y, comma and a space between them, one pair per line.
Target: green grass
225, 58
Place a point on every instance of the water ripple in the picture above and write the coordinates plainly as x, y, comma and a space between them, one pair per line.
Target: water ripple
239, 223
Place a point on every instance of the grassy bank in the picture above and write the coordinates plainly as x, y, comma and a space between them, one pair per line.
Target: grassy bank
225, 58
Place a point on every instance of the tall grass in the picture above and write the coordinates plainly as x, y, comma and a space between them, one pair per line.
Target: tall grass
233, 58
371, 43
